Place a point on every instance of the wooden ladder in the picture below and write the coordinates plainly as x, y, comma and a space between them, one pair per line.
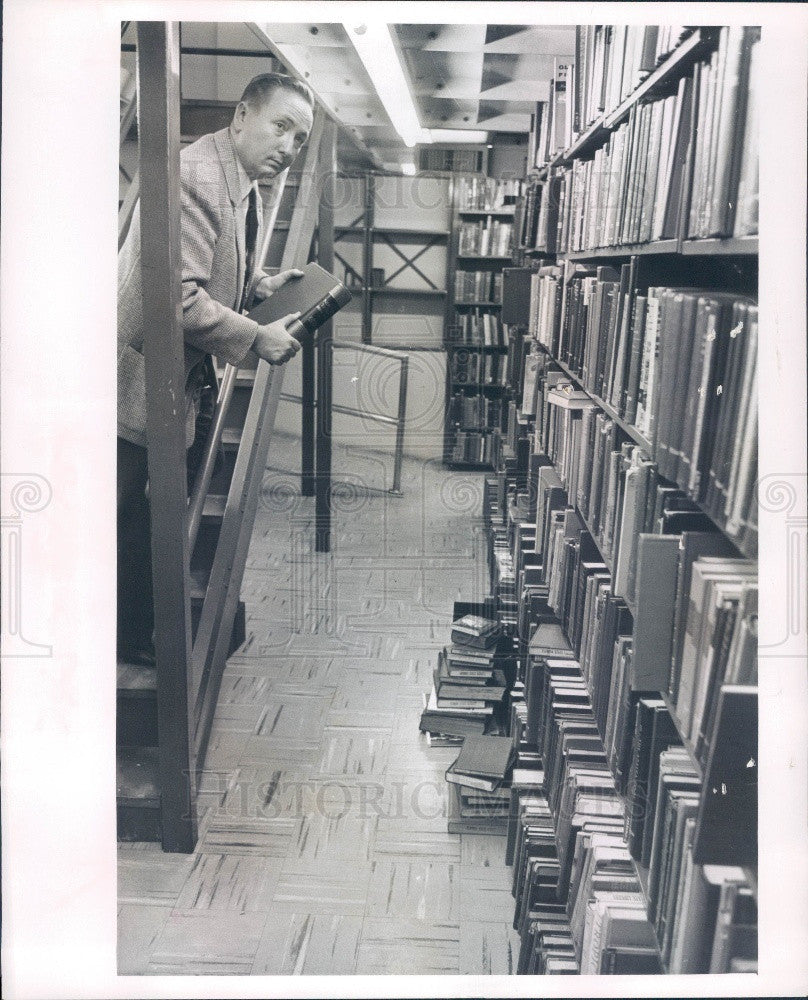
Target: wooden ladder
164, 714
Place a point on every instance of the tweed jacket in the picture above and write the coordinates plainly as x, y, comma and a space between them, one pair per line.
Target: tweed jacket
213, 256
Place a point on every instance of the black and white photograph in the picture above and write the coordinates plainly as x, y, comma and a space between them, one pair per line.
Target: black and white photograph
459, 522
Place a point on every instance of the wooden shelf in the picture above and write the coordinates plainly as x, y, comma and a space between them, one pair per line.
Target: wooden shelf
399, 234
468, 466
744, 246
457, 345
475, 385
434, 292
489, 305
630, 250
482, 212
585, 143
483, 256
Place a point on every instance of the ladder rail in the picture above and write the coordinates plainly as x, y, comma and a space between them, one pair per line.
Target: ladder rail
224, 585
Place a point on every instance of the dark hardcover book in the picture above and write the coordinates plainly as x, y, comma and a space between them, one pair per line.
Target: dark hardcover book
663, 735
726, 829
450, 725
626, 961
611, 291
637, 785
615, 331
471, 780
729, 139
515, 295
468, 692
681, 375
316, 296
681, 167
716, 462
485, 756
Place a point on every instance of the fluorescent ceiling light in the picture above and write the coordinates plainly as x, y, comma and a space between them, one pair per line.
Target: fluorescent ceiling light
374, 46
457, 135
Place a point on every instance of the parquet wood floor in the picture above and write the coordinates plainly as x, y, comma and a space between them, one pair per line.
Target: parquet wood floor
323, 846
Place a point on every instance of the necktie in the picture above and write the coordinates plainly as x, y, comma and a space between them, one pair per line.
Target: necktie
250, 238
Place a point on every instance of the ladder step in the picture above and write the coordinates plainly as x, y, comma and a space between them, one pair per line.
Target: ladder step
214, 506
231, 438
135, 681
136, 706
138, 794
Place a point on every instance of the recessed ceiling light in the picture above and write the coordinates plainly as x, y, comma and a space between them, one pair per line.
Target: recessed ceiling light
375, 47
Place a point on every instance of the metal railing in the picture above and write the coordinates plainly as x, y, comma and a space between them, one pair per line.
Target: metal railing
398, 421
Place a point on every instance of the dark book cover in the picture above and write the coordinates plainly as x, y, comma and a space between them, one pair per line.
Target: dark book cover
316, 296
485, 756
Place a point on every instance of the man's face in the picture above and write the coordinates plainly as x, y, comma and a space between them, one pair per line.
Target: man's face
268, 138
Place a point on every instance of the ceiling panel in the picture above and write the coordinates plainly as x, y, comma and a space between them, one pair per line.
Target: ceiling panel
444, 74
306, 34
537, 40
506, 123
437, 111
442, 37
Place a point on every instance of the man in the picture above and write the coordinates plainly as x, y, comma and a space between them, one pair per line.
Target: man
221, 227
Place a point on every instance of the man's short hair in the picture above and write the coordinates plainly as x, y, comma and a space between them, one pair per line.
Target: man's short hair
261, 88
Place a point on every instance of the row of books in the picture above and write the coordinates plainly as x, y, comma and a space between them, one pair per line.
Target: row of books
632, 189
470, 367
573, 703
697, 934
474, 412
596, 877
704, 916
724, 201
679, 364
637, 187
472, 447
478, 328
478, 286
694, 605
478, 239
486, 193
611, 61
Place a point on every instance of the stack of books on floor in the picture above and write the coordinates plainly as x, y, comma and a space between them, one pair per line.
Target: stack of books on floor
479, 786
466, 686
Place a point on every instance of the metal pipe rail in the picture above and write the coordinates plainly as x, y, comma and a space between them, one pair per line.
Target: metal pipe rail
398, 421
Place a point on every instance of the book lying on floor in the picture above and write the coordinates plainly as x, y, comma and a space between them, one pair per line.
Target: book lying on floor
475, 631
462, 819
472, 781
443, 724
488, 757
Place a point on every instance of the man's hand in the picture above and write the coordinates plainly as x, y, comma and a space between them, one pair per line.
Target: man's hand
266, 286
274, 344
